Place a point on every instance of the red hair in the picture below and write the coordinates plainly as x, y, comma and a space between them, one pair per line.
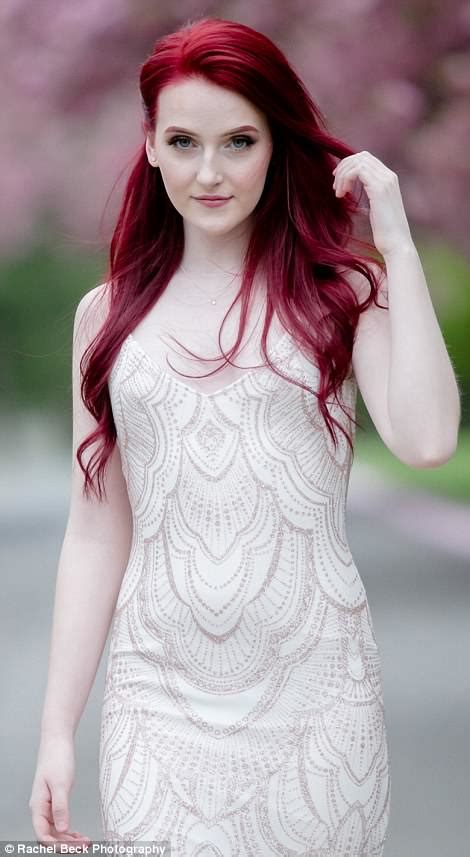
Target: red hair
302, 232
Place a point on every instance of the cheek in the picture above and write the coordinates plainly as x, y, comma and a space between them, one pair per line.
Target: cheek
254, 173
256, 170
174, 175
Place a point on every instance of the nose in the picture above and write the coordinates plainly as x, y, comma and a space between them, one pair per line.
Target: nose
208, 172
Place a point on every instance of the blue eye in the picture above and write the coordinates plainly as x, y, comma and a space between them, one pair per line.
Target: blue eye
247, 140
175, 140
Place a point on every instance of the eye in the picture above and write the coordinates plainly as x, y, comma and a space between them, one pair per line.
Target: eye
175, 140
248, 141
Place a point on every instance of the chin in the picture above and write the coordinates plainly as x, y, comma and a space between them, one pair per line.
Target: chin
216, 225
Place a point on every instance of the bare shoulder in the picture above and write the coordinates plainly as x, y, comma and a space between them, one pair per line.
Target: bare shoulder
111, 519
90, 314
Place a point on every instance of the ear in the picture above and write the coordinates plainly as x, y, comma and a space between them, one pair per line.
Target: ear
151, 154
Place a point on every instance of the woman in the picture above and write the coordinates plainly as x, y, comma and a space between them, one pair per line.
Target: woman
243, 710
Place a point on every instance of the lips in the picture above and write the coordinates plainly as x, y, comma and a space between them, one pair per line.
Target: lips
213, 197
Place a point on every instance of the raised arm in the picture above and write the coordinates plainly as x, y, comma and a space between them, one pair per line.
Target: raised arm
93, 558
400, 358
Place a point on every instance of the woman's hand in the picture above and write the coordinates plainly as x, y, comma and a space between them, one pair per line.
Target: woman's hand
53, 780
388, 219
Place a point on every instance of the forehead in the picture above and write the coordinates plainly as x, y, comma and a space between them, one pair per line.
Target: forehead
201, 103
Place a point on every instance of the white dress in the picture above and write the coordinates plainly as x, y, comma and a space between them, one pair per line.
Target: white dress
243, 709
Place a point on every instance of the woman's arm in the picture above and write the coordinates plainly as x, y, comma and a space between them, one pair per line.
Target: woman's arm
92, 561
93, 558
400, 359
417, 411
90, 571
423, 395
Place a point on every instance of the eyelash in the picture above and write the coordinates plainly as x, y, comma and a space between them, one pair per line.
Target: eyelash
248, 140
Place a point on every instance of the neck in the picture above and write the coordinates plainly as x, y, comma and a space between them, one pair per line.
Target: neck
212, 257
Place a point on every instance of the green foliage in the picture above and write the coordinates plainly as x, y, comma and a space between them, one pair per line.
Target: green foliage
38, 296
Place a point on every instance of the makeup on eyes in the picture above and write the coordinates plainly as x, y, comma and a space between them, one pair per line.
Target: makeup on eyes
249, 141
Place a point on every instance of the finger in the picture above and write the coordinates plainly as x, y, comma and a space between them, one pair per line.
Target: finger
60, 811
42, 826
346, 180
75, 836
353, 170
366, 171
344, 176
343, 162
346, 184
62, 839
46, 833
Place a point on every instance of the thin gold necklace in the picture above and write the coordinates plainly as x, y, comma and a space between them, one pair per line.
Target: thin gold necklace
212, 300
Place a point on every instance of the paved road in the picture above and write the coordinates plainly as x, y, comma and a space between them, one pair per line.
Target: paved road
419, 592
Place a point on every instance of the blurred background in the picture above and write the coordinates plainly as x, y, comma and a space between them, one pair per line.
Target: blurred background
390, 77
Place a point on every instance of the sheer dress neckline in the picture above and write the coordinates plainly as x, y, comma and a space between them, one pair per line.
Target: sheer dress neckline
164, 373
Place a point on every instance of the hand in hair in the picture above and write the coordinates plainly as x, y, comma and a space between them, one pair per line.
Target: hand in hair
389, 224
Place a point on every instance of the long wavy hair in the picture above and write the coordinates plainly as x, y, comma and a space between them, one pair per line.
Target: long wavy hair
302, 233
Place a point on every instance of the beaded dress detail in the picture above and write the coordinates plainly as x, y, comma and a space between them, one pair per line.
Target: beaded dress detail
243, 709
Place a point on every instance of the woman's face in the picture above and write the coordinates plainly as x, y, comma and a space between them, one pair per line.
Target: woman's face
203, 147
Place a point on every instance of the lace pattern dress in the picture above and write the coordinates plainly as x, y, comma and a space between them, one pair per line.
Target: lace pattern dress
243, 710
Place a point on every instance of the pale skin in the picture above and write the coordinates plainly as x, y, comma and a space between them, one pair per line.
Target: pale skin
417, 411
399, 360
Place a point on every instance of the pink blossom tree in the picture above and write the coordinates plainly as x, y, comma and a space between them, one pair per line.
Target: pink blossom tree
391, 77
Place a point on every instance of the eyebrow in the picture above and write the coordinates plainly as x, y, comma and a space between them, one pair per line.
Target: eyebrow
227, 134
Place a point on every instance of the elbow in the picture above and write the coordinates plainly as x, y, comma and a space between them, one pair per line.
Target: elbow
434, 456
430, 449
